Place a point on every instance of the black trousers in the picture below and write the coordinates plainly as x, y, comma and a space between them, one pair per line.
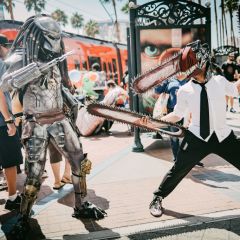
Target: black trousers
192, 151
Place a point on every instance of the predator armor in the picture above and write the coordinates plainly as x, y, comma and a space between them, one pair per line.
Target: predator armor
37, 67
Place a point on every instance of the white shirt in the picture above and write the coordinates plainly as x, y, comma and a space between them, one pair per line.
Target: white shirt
188, 99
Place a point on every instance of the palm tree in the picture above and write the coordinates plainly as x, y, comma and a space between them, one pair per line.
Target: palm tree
125, 8
216, 20
91, 28
77, 21
36, 5
116, 18
8, 4
224, 22
231, 6
60, 17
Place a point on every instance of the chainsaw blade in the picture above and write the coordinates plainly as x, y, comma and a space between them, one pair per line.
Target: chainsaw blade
133, 118
157, 75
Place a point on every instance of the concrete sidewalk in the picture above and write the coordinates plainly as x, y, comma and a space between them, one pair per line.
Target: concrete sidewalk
122, 183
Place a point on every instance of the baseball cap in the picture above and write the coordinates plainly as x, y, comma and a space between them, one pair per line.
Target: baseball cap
4, 41
111, 82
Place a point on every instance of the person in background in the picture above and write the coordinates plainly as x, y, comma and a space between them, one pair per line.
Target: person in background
116, 95
55, 160
230, 72
171, 87
10, 151
238, 69
238, 65
96, 67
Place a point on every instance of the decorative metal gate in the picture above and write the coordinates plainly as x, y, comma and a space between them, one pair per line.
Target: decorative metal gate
222, 52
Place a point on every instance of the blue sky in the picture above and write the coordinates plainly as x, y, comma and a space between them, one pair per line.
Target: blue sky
92, 9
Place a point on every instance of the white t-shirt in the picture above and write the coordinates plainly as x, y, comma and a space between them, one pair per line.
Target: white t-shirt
188, 99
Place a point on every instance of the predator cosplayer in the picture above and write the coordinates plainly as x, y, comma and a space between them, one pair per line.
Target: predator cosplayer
187, 61
37, 67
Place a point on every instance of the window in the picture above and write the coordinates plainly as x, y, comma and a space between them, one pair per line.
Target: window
77, 64
104, 67
114, 62
110, 73
115, 73
95, 63
110, 67
84, 65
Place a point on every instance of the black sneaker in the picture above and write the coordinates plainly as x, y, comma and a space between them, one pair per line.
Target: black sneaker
155, 207
13, 205
232, 110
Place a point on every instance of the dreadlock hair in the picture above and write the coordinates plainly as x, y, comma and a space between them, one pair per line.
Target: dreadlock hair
30, 39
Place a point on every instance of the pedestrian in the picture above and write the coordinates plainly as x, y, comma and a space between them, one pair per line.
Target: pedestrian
116, 95
230, 71
55, 160
10, 151
238, 66
204, 97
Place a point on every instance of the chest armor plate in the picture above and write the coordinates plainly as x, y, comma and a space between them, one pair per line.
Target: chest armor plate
44, 94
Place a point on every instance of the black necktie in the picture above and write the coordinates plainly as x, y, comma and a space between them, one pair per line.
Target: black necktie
204, 112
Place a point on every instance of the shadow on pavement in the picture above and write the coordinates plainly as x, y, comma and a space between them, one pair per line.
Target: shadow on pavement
214, 175
90, 224
110, 234
230, 225
8, 223
9, 220
115, 134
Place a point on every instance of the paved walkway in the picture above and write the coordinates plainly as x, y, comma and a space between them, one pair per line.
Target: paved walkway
122, 183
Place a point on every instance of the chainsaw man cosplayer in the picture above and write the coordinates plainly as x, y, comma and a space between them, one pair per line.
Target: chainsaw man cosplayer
204, 97
37, 67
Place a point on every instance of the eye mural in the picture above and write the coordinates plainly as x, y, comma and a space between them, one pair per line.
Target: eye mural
158, 45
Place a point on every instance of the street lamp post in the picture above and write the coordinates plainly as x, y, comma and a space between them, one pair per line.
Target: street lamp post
137, 147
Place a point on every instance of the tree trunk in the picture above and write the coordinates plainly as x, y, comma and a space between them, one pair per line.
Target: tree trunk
224, 23
216, 20
116, 21
11, 9
221, 33
232, 29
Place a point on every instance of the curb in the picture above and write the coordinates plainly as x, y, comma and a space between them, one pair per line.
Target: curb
123, 232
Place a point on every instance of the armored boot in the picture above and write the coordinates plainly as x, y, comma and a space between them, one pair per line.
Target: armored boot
29, 196
79, 183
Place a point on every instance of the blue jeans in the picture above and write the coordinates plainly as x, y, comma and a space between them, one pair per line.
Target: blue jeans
174, 144
174, 140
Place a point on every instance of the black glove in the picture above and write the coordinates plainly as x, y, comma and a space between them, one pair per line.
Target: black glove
89, 210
